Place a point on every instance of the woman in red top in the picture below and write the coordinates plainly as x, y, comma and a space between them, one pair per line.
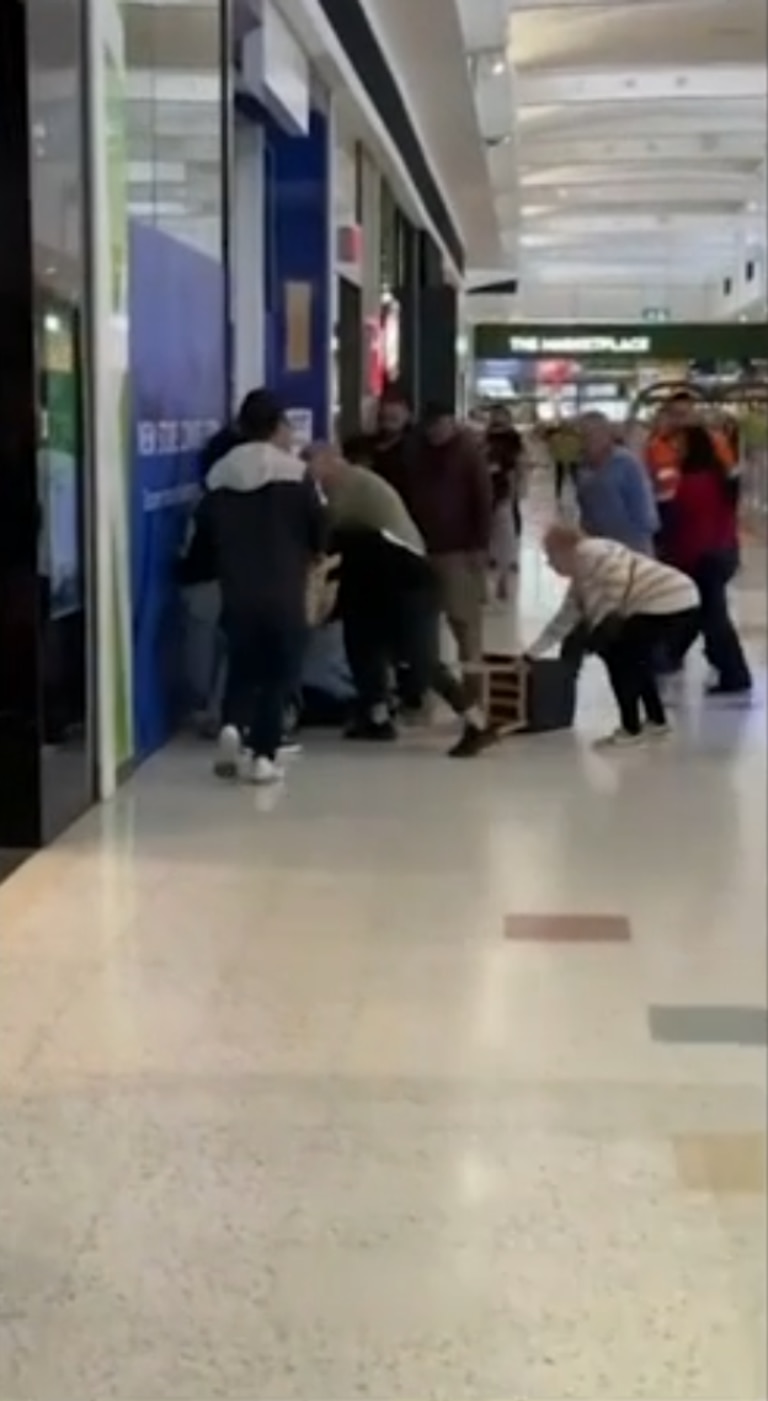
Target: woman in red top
701, 537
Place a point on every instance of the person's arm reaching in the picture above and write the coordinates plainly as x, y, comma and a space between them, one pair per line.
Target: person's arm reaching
315, 518
557, 629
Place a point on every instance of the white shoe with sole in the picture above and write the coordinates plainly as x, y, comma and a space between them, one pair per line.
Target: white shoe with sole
265, 772
227, 763
619, 739
657, 732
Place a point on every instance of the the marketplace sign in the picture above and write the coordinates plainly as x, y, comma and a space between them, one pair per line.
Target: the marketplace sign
669, 341
580, 345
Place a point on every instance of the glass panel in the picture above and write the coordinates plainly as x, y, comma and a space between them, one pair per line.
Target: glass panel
175, 119
58, 198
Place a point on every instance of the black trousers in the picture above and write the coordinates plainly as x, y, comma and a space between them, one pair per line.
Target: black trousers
722, 644
630, 657
399, 630
564, 473
264, 657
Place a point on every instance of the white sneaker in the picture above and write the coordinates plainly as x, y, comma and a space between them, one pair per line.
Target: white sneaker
291, 749
657, 732
227, 762
619, 739
264, 772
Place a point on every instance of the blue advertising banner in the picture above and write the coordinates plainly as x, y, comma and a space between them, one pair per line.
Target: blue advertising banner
179, 392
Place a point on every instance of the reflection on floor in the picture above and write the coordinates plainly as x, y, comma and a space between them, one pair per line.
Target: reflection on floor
421, 1080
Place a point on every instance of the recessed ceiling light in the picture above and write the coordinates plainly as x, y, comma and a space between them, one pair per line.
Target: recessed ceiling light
499, 67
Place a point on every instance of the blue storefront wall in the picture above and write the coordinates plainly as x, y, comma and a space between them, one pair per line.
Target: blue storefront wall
179, 393
297, 248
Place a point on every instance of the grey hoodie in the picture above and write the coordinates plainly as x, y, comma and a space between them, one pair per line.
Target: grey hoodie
258, 528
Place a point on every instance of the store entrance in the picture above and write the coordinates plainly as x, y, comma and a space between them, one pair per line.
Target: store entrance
46, 770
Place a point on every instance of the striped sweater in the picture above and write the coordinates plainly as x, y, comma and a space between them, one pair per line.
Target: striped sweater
609, 578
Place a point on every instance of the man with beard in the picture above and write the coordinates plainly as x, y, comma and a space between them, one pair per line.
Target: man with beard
392, 451
451, 501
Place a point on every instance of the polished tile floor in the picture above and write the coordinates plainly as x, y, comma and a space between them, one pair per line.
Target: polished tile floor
417, 1080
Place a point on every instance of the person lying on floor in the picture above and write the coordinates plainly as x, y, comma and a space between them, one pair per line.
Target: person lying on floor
388, 602
328, 697
631, 607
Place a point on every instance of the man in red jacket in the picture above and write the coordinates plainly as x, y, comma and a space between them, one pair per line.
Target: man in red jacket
451, 501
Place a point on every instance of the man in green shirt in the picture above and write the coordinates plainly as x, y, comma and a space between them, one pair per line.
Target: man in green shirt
388, 600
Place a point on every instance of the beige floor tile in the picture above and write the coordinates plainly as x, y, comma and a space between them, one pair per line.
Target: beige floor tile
725, 1164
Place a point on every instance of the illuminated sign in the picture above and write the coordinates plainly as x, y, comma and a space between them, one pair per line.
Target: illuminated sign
580, 345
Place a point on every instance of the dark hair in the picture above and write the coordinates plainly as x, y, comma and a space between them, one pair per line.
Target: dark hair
681, 396
435, 410
699, 451
394, 393
260, 415
357, 450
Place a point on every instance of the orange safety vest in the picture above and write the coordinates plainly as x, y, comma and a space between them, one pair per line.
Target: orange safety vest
662, 457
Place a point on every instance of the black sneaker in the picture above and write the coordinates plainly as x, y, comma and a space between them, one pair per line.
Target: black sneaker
472, 742
371, 731
719, 688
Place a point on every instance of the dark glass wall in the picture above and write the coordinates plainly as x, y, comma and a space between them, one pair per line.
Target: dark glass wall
45, 754
349, 335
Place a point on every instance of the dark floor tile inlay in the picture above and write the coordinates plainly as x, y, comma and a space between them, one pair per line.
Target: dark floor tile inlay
709, 1026
567, 929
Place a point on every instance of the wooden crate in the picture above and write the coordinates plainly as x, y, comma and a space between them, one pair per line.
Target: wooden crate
504, 694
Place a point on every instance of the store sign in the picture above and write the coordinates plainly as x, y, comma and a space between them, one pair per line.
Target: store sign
580, 345
302, 425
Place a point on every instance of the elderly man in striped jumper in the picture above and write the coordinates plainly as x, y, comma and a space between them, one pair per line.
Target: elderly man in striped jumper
630, 606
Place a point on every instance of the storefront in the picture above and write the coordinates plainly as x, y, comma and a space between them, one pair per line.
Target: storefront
48, 726
115, 369
552, 371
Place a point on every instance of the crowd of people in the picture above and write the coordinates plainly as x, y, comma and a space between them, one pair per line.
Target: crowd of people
409, 523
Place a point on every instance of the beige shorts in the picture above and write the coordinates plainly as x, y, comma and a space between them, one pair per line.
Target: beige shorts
462, 581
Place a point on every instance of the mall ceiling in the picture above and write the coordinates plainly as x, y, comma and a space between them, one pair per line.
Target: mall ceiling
625, 139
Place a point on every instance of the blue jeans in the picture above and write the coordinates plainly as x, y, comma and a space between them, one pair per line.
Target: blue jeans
264, 658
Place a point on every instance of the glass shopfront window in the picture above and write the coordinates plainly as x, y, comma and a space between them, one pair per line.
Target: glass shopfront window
58, 190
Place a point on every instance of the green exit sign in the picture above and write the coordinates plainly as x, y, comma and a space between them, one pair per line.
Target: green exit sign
656, 314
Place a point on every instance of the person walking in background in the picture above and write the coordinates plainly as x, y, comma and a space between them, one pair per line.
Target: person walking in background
613, 489
662, 456
700, 536
451, 501
258, 530
630, 605
565, 451
389, 602
504, 453
393, 448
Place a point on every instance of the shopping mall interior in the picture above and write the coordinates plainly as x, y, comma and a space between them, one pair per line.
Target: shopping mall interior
393, 1077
